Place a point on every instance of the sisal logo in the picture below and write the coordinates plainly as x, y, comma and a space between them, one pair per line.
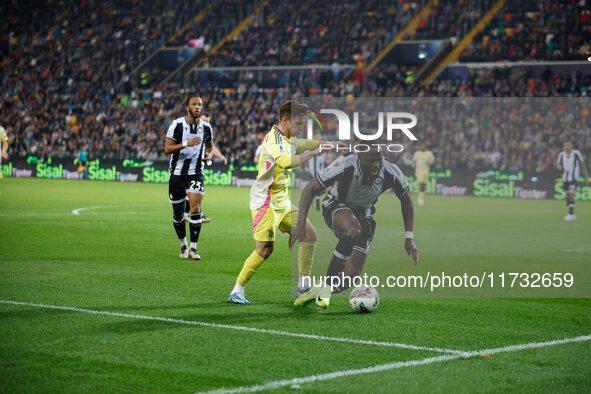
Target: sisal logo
389, 123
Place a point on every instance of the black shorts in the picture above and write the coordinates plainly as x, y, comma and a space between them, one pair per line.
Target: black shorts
570, 186
180, 185
364, 217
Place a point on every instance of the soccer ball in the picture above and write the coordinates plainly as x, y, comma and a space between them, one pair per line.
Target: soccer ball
364, 299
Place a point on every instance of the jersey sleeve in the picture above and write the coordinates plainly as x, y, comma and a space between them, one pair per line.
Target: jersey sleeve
415, 157
3, 135
332, 173
304, 144
175, 131
431, 157
399, 183
559, 160
580, 156
207, 133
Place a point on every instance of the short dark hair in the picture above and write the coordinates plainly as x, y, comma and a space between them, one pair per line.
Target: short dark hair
205, 113
291, 107
190, 96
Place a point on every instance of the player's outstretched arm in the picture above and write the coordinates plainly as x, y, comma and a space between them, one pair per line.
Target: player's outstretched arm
217, 153
584, 165
171, 146
311, 190
209, 149
287, 161
408, 214
5, 149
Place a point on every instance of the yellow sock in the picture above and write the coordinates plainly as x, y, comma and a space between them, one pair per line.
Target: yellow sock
421, 194
306, 258
251, 265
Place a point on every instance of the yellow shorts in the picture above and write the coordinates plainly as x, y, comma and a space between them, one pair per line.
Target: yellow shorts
266, 221
422, 178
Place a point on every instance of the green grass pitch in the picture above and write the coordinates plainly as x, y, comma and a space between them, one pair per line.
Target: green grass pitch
120, 256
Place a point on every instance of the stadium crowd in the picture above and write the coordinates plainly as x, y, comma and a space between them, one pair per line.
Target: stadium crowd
451, 18
133, 125
535, 30
316, 32
61, 71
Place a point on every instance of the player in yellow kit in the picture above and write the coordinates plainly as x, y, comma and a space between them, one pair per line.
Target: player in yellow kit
422, 158
269, 199
3, 147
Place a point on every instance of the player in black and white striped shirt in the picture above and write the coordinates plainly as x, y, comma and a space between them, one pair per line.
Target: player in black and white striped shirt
570, 162
186, 140
355, 182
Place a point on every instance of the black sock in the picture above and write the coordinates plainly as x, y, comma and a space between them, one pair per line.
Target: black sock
337, 263
195, 227
181, 229
187, 206
571, 207
178, 220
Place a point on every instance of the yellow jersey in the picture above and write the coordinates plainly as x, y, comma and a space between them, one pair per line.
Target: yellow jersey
423, 159
3, 137
275, 164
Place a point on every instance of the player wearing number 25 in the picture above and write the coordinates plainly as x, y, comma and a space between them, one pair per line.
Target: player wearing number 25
186, 139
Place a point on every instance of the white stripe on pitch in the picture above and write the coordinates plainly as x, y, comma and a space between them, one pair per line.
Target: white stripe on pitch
334, 375
240, 328
401, 364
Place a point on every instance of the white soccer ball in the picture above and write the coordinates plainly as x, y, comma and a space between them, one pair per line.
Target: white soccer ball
364, 299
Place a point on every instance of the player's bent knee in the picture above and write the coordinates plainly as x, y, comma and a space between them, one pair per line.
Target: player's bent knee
353, 233
310, 233
265, 250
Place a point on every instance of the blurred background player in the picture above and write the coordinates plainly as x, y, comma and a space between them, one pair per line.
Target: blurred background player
422, 159
257, 153
349, 214
4, 147
269, 199
83, 161
206, 117
570, 162
186, 139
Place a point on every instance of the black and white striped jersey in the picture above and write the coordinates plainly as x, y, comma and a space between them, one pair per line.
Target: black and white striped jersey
349, 186
188, 161
571, 165
316, 164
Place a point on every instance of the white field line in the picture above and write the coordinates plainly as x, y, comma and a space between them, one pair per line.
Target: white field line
241, 328
401, 364
78, 210
28, 214
334, 375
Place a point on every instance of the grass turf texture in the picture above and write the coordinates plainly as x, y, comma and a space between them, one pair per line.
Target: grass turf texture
122, 258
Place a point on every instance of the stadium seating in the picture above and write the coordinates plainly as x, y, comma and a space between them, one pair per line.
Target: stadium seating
60, 75
316, 32
534, 30
451, 18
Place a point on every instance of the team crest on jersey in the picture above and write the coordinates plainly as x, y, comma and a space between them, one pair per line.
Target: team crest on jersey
378, 180
281, 148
